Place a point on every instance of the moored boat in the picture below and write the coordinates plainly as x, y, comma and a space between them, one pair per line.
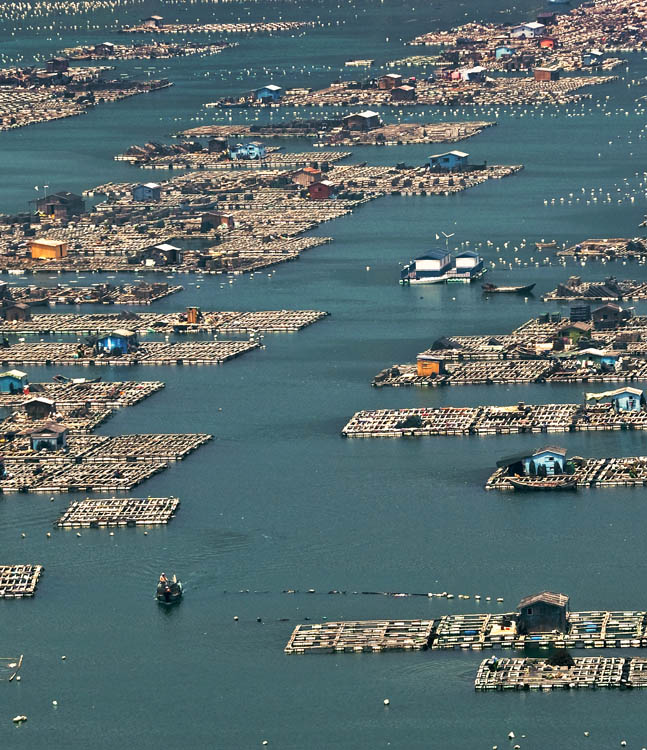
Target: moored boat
169, 592
543, 484
494, 289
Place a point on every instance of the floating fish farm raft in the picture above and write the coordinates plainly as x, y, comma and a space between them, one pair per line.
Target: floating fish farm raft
210, 161
627, 471
18, 581
152, 353
589, 629
585, 672
610, 290
104, 294
221, 28
115, 511
608, 249
262, 321
395, 134
491, 420
108, 394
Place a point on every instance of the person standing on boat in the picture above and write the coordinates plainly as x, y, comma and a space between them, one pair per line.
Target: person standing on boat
163, 578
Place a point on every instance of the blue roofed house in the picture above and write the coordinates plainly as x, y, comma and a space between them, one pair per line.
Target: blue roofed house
468, 265
118, 342
13, 381
268, 94
248, 151
149, 191
448, 161
546, 461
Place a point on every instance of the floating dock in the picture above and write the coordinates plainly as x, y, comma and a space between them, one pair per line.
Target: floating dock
151, 353
367, 635
259, 321
470, 632
98, 394
628, 471
18, 581
491, 420
585, 672
115, 511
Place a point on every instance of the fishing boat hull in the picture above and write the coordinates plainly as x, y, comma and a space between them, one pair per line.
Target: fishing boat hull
546, 484
169, 595
491, 289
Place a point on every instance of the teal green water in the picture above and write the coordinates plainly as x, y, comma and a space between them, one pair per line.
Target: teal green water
278, 500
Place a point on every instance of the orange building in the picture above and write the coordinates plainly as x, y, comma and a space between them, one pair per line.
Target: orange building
48, 249
426, 365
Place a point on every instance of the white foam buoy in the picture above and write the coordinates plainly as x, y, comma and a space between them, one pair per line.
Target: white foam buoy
511, 735
19, 719
387, 702
54, 703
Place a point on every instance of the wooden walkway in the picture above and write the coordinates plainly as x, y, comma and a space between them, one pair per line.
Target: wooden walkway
115, 511
18, 581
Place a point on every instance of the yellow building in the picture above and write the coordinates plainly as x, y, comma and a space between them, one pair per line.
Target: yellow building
48, 249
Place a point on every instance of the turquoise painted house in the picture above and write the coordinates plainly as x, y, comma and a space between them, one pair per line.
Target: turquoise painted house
546, 461
118, 342
12, 381
623, 399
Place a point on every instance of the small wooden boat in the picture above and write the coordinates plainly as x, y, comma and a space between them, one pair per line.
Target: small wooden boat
493, 288
543, 484
169, 592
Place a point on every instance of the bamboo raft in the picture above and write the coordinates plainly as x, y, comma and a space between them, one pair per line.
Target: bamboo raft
538, 674
18, 581
262, 321
491, 420
151, 353
116, 511
471, 632
628, 471
126, 294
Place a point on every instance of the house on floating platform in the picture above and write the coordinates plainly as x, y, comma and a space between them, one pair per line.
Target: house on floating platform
306, 176
505, 50
592, 58
50, 437
623, 399
474, 75
546, 461
57, 65
431, 268
575, 331
468, 266
427, 365
404, 93
62, 205
119, 342
528, 30
545, 612
47, 249
148, 191
547, 74
11, 311
153, 22
268, 94
13, 381
366, 120
248, 151
321, 190
548, 42
591, 357
609, 316
217, 145
448, 162
163, 254
39, 407
104, 48
389, 81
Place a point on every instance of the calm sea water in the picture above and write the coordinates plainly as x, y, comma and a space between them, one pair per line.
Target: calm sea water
279, 500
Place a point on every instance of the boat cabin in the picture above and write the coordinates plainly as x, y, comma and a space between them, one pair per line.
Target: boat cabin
545, 612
